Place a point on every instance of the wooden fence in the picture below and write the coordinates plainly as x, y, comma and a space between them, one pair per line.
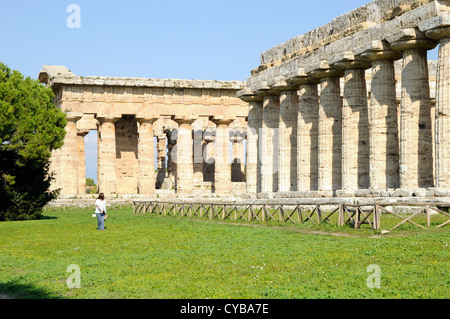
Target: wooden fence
347, 214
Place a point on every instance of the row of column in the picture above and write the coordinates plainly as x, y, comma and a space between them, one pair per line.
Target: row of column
70, 168
305, 134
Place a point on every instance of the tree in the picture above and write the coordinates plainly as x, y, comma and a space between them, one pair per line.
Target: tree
30, 128
90, 182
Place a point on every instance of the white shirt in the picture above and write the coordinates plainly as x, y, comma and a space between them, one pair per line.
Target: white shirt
102, 204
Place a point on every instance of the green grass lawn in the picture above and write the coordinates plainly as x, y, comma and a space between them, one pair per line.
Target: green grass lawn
143, 256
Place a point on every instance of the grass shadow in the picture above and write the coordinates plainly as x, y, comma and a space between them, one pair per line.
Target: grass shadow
16, 290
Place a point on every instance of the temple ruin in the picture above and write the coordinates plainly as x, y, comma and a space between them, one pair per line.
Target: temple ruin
144, 123
353, 108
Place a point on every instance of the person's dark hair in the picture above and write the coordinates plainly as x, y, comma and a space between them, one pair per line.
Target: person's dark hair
101, 196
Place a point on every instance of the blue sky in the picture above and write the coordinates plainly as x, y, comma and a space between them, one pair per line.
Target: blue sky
197, 39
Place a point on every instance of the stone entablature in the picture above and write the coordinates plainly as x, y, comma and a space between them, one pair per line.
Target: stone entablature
143, 122
342, 34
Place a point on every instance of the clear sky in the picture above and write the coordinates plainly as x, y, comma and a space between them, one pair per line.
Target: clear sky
197, 39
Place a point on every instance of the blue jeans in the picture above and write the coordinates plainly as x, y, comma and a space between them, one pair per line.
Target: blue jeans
101, 221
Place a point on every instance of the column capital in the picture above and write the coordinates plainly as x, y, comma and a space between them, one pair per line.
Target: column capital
322, 69
73, 117
411, 38
437, 28
184, 119
221, 120
377, 50
264, 89
247, 95
279, 84
347, 60
108, 118
301, 77
145, 120
83, 133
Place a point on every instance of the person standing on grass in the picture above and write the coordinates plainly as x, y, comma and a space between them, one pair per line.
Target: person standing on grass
100, 211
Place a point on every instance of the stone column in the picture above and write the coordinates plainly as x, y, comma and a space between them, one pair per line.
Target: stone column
307, 131
169, 180
146, 156
198, 155
329, 129
68, 158
416, 156
383, 119
222, 167
184, 151
237, 165
355, 131
269, 143
161, 158
287, 134
55, 168
209, 138
106, 153
439, 29
81, 161
253, 171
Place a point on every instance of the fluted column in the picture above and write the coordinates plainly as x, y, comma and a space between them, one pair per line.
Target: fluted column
161, 158
383, 119
307, 131
146, 156
184, 152
237, 165
355, 132
198, 155
106, 153
55, 169
68, 159
416, 156
170, 178
209, 138
81, 161
329, 129
287, 141
439, 29
269, 143
222, 166
253, 172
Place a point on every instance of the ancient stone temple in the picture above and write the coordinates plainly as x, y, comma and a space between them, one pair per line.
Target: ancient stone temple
152, 133
354, 108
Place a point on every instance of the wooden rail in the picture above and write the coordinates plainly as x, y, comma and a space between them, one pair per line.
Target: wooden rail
316, 213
